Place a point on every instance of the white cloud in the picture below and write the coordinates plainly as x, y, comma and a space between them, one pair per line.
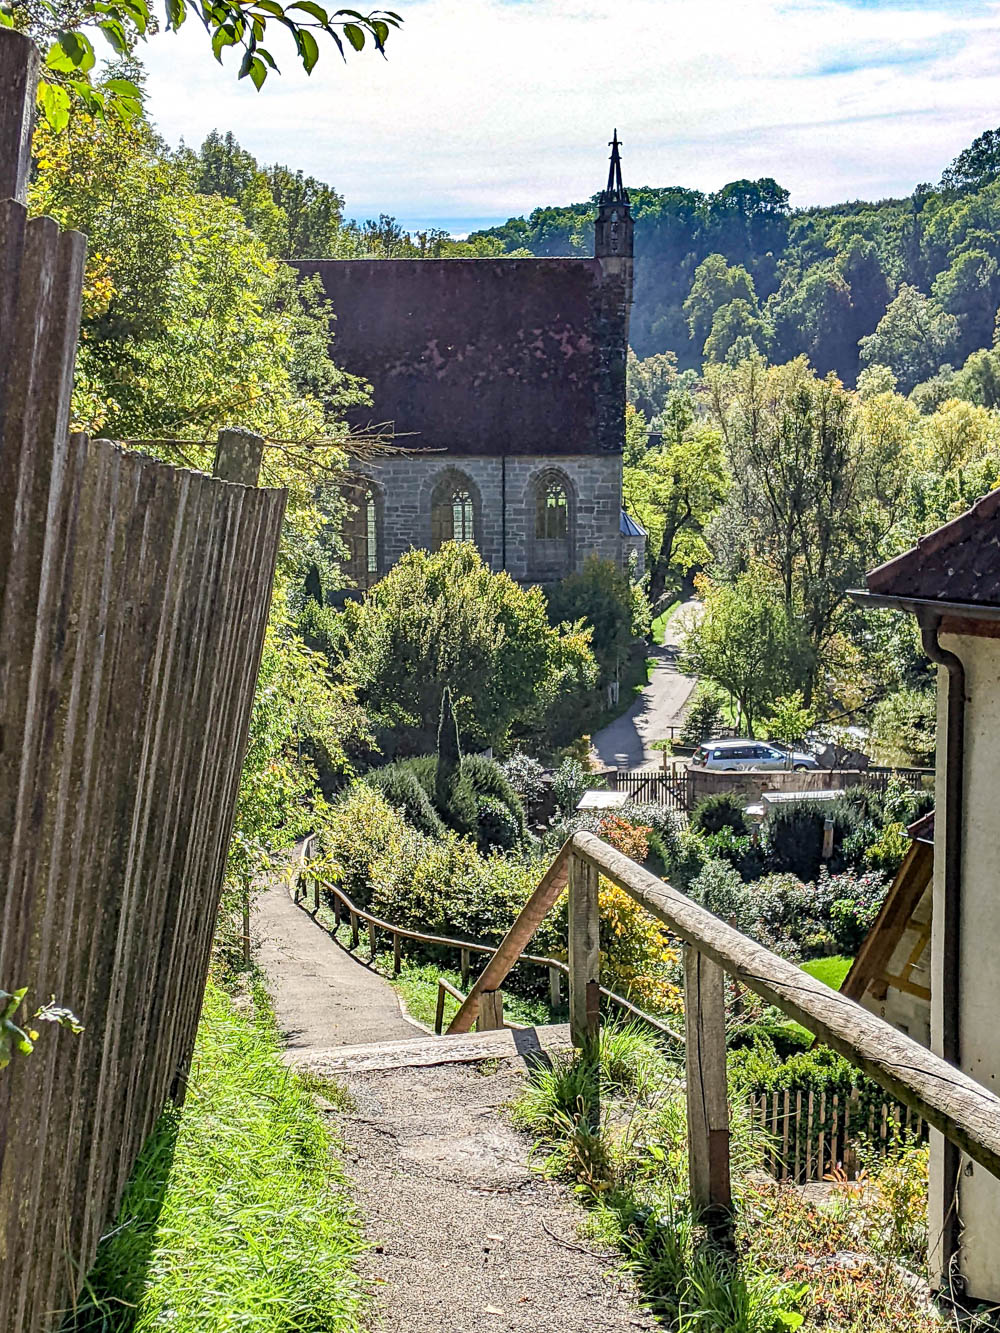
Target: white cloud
487, 107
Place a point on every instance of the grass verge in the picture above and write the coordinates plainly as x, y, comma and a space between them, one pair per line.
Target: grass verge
849, 1264
236, 1215
658, 629
832, 971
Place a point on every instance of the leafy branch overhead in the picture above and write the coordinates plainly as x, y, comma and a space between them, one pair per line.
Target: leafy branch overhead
242, 24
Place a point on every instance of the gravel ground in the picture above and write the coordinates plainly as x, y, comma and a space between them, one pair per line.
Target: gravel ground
465, 1236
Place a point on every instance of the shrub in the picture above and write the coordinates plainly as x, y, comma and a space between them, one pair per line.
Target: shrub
496, 827
488, 779
686, 859
526, 777
904, 727
720, 889
636, 951
887, 851
738, 849
569, 783
703, 716
723, 810
794, 834
401, 787
360, 830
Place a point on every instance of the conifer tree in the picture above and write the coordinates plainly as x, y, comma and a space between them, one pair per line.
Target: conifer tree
449, 754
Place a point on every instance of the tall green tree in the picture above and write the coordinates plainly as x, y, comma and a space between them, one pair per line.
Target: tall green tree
819, 486
747, 642
914, 338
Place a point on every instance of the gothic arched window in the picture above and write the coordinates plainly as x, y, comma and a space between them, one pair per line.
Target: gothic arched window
371, 532
552, 511
453, 512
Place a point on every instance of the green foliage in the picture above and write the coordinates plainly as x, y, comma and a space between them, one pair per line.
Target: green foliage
904, 727
445, 619
404, 791
794, 833
569, 782
746, 642
675, 490
789, 720
887, 852
526, 777
449, 755
241, 24
914, 338
237, 1213
703, 714
723, 810
600, 596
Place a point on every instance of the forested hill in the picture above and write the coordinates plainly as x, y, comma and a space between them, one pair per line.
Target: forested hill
715, 272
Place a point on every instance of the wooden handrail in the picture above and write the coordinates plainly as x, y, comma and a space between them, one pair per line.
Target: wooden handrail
472, 999
963, 1110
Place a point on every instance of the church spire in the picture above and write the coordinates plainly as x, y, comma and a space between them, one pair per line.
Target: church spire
613, 224
615, 192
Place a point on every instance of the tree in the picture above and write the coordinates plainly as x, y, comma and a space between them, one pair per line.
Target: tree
789, 720
63, 32
651, 381
449, 755
715, 284
914, 338
600, 596
444, 619
819, 486
737, 332
975, 166
746, 642
675, 492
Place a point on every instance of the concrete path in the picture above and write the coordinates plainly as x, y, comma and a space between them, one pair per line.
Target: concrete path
322, 996
625, 742
464, 1236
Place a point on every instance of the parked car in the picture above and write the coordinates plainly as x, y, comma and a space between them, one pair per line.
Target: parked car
749, 756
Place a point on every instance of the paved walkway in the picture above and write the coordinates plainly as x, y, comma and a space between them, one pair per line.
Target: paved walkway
625, 742
464, 1236
322, 996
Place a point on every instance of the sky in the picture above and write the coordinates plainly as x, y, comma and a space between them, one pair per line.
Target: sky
485, 109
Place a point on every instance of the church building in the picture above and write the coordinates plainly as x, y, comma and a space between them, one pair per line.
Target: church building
503, 381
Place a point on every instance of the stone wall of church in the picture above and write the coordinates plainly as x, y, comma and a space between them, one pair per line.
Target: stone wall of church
504, 497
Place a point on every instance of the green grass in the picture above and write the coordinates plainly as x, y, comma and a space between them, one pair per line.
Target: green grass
235, 1216
417, 986
832, 971
658, 629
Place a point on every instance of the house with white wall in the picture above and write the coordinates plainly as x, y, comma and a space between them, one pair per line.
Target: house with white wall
951, 582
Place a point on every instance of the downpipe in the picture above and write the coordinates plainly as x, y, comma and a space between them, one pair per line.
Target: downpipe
930, 627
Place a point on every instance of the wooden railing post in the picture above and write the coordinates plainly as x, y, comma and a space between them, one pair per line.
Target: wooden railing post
397, 962
238, 454
584, 953
490, 1010
315, 893
555, 988
354, 930
707, 1092
464, 963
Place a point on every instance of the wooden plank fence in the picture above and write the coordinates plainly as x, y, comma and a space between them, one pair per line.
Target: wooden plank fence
133, 601
811, 1135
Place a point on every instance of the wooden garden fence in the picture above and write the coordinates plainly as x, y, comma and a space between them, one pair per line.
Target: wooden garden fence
133, 602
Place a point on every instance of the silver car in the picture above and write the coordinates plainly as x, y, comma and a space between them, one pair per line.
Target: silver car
749, 756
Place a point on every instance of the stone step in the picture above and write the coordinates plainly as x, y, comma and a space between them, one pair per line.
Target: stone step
502, 1044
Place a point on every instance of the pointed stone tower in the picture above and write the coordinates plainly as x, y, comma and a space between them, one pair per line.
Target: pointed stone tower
614, 230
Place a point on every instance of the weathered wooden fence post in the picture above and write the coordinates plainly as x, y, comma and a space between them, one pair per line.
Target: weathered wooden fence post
238, 456
490, 1010
19, 66
584, 953
555, 987
707, 1091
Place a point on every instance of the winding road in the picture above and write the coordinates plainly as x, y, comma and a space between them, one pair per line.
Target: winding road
625, 742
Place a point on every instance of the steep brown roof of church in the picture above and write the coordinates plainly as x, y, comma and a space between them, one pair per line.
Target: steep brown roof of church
484, 356
959, 562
